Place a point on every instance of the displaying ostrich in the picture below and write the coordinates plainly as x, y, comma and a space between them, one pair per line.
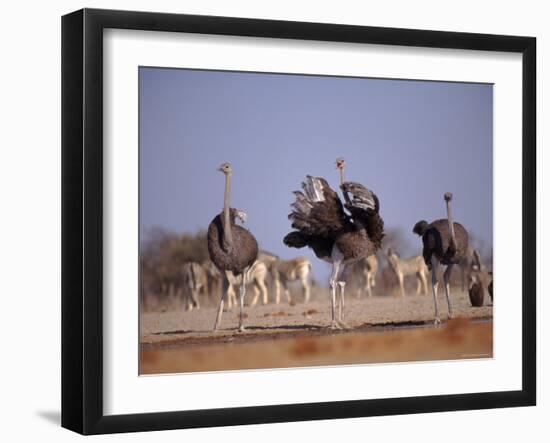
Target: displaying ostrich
321, 223
231, 247
445, 242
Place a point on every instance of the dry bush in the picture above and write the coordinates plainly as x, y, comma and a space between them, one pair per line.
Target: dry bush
162, 255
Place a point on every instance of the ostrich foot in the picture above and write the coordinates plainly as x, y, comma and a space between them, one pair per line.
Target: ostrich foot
437, 321
343, 325
241, 328
335, 325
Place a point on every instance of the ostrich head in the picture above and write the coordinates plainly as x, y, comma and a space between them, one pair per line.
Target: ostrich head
474, 278
225, 168
448, 196
340, 163
237, 213
420, 227
242, 216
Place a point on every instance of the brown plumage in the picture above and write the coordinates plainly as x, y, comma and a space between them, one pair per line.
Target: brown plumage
231, 247
436, 239
234, 259
444, 242
321, 223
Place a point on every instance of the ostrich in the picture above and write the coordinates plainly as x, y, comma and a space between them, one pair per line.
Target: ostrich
445, 242
471, 262
231, 247
321, 223
476, 291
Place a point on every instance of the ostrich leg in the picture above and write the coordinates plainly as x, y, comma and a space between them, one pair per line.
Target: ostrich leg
435, 264
333, 283
225, 286
446, 278
242, 292
342, 285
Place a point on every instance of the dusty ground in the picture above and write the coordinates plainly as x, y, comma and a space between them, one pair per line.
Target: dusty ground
380, 329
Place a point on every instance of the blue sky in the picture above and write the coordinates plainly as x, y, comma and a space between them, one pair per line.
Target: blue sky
408, 141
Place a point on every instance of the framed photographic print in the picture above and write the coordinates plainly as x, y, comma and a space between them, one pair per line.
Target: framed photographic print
298, 217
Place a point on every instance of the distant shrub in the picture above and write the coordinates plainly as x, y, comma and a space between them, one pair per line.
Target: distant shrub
162, 255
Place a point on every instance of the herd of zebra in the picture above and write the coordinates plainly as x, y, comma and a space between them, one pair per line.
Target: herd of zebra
340, 233
271, 274
204, 278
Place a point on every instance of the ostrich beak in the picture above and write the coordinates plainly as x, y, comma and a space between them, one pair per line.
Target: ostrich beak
242, 216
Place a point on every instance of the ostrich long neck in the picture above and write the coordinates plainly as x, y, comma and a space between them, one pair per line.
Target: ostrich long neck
228, 237
342, 181
450, 220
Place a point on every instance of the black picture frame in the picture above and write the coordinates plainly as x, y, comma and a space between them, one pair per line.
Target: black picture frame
82, 220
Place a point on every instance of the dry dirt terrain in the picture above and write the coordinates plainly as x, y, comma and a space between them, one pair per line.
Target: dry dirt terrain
379, 329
